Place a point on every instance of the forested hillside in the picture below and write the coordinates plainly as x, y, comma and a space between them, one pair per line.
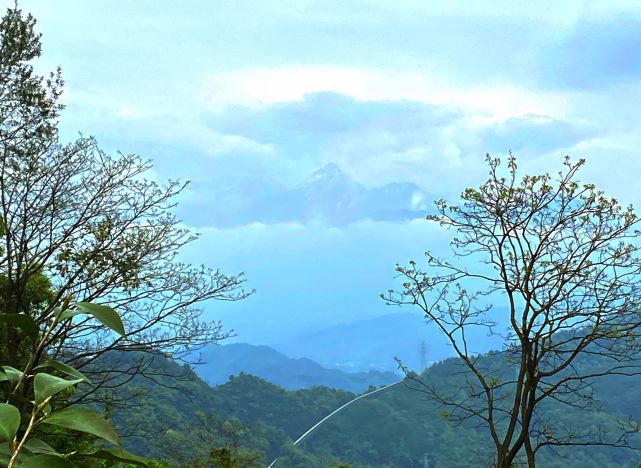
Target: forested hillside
396, 428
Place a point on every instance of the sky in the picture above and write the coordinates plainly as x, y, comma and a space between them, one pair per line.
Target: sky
317, 134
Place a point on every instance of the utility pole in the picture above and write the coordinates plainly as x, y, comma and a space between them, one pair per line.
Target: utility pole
423, 356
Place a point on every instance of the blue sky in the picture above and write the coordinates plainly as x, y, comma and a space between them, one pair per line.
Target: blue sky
317, 133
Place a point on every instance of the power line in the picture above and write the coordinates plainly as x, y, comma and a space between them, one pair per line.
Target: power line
336, 411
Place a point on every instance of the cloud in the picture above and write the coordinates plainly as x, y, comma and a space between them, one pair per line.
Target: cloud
612, 164
380, 159
534, 135
262, 86
595, 53
249, 99
154, 123
252, 163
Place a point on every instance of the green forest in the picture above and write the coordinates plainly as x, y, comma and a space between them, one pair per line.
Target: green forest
183, 421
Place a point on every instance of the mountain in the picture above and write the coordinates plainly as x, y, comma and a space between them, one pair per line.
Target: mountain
328, 194
374, 343
180, 417
221, 362
369, 344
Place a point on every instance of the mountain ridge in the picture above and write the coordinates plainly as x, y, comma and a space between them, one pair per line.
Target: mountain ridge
222, 362
328, 194
375, 343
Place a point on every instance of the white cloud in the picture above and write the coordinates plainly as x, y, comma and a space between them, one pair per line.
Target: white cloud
418, 201
260, 86
160, 122
612, 163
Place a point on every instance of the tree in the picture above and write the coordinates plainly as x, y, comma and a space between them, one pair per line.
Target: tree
36, 398
92, 228
564, 259
225, 442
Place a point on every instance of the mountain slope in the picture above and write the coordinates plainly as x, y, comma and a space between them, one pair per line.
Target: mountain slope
397, 427
223, 361
369, 344
373, 343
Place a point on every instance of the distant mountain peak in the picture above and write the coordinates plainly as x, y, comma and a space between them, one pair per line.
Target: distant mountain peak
328, 171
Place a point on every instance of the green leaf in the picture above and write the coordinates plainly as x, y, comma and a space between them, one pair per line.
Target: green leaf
13, 374
5, 454
9, 421
50, 461
67, 313
84, 420
61, 367
35, 445
105, 315
116, 454
46, 385
22, 321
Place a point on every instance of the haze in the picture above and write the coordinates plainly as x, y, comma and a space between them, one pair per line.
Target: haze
317, 134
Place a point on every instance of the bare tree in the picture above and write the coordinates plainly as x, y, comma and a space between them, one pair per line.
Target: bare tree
564, 260
89, 226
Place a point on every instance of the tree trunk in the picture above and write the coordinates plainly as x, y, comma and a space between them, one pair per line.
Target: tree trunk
529, 452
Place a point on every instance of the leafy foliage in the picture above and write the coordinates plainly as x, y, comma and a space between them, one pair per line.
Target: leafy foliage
32, 401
